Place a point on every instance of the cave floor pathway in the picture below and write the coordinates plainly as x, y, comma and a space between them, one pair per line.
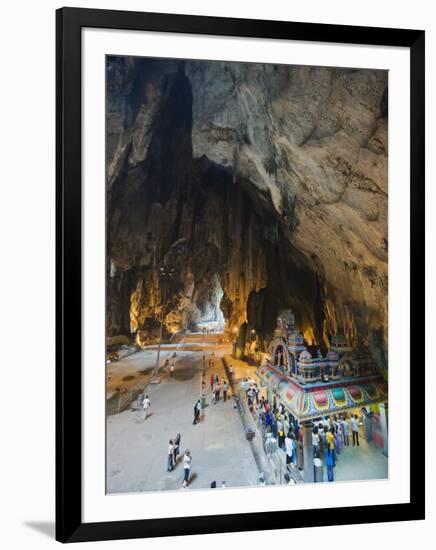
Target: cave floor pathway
137, 449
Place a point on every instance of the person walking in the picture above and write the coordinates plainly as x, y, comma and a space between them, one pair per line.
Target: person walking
187, 459
177, 440
196, 412
225, 391
355, 430
231, 371
170, 455
217, 391
146, 406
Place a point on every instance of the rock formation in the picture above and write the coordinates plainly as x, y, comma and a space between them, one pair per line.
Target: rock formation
263, 186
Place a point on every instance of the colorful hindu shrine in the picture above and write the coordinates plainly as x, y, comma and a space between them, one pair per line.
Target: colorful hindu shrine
312, 385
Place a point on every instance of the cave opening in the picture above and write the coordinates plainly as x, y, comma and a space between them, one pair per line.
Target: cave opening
207, 315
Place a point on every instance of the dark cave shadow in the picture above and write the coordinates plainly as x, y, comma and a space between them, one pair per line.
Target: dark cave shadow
46, 528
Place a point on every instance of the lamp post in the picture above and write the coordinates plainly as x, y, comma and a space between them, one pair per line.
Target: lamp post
165, 274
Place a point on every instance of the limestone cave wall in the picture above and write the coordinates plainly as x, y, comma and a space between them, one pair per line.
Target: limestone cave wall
263, 184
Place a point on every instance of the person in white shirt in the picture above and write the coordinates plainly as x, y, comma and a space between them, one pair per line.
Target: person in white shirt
146, 406
170, 455
288, 448
355, 430
187, 459
315, 441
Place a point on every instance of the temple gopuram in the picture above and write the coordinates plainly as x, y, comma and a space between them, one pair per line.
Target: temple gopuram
312, 386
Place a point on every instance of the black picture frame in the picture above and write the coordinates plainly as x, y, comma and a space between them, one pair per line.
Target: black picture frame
69, 23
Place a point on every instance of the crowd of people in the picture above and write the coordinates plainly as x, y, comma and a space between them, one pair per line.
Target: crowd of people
216, 386
273, 418
330, 436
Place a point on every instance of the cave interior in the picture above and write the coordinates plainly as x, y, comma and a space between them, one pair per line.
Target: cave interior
237, 254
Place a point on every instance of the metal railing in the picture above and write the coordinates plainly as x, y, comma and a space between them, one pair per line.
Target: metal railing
122, 401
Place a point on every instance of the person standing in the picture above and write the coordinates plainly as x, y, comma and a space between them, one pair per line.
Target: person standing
170, 456
329, 462
280, 432
355, 430
288, 448
256, 393
294, 450
212, 380
231, 371
300, 452
330, 438
286, 425
187, 459
315, 441
274, 425
177, 440
225, 391
196, 412
217, 391
339, 438
296, 428
146, 406
346, 432
268, 421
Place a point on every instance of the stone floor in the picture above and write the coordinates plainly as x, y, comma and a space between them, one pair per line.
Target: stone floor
137, 450
359, 463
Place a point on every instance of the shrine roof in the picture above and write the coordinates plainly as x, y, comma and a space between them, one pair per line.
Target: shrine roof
312, 400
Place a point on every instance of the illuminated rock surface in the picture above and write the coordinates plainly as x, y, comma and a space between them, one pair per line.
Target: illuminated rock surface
265, 187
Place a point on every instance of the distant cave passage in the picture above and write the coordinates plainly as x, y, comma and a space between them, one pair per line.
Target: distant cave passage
206, 311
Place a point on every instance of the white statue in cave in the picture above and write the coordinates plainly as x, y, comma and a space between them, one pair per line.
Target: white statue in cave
286, 320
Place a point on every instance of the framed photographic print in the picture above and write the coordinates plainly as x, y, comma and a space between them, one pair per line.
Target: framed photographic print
240, 274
